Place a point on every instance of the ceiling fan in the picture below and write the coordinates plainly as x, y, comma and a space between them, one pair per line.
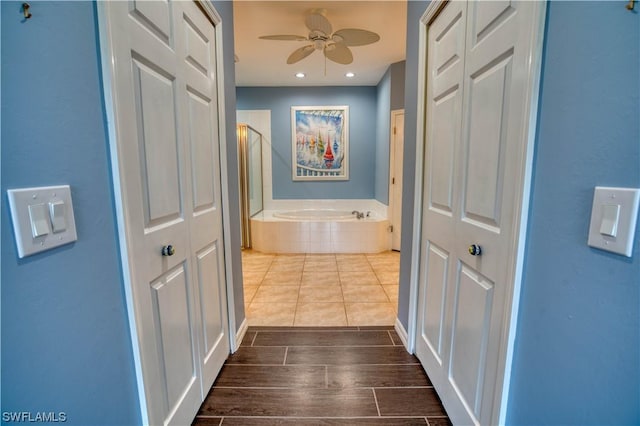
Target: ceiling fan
334, 45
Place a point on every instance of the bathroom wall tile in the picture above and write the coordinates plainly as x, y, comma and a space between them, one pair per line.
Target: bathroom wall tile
370, 313
364, 293
279, 278
276, 294
320, 278
320, 314
358, 278
318, 294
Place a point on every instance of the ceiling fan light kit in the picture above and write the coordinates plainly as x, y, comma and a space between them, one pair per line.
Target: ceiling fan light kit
334, 45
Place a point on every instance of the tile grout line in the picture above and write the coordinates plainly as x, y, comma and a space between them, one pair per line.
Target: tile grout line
326, 376
375, 398
254, 338
286, 351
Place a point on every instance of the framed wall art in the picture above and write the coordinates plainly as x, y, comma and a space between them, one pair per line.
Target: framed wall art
320, 142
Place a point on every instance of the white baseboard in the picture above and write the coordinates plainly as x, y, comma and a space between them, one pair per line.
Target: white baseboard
240, 334
404, 337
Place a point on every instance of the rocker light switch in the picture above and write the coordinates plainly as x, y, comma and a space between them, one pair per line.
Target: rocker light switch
610, 215
57, 213
36, 212
39, 220
613, 219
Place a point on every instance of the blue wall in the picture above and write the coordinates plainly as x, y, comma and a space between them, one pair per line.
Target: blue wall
65, 340
225, 10
577, 357
397, 85
383, 120
362, 137
415, 9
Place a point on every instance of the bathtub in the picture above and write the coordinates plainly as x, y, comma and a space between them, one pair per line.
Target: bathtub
321, 230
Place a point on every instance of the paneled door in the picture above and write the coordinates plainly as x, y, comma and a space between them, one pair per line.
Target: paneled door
395, 184
161, 90
480, 89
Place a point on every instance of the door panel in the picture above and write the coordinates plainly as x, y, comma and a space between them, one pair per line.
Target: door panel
486, 143
441, 156
436, 290
154, 16
199, 56
157, 138
479, 82
172, 312
470, 334
202, 158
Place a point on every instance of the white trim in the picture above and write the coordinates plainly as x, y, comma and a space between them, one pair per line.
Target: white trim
433, 7
242, 330
224, 170
402, 333
110, 95
516, 260
501, 398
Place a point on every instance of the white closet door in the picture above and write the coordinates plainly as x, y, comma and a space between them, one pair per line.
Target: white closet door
168, 173
477, 137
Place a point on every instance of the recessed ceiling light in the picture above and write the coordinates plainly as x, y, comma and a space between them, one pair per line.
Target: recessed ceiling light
349, 74
300, 75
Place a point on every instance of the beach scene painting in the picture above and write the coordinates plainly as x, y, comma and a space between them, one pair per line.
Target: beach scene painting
320, 142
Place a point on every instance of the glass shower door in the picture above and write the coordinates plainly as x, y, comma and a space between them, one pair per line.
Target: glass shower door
250, 162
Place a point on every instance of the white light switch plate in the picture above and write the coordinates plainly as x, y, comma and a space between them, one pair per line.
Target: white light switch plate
613, 219
19, 202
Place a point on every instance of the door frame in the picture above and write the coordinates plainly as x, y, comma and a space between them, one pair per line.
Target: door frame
515, 261
105, 31
392, 162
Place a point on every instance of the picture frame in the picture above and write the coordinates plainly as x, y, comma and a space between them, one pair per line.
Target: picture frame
320, 143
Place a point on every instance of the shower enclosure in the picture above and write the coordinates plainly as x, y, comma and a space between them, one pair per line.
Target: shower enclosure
250, 168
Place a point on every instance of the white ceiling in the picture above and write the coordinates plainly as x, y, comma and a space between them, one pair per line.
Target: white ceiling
264, 62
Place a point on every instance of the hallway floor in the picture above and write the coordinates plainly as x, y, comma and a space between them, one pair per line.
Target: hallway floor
322, 376
320, 289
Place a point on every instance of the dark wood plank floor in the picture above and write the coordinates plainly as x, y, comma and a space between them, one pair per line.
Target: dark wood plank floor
322, 376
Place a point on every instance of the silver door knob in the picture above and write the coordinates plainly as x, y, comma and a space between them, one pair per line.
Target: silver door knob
168, 250
475, 250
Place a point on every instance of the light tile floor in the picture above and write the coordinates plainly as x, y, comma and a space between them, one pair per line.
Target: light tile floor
320, 289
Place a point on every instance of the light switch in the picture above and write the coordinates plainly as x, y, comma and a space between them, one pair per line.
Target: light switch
609, 224
35, 212
57, 214
39, 220
614, 215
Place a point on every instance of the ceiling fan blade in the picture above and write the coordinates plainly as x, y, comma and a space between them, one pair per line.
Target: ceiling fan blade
338, 52
285, 37
300, 54
316, 21
355, 37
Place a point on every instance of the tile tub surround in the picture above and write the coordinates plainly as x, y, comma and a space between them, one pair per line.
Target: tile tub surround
322, 376
320, 289
270, 234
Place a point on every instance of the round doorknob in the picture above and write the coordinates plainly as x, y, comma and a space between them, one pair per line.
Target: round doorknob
475, 250
168, 250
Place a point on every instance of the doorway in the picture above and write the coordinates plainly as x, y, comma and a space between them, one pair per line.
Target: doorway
480, 65
395, 177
